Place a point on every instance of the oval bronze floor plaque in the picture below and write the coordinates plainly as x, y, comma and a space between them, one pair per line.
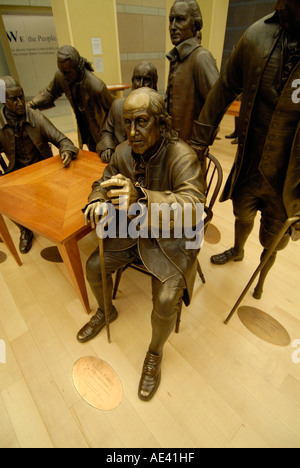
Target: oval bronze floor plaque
264, 326
3, 257
97, 383
51, 254
212, 234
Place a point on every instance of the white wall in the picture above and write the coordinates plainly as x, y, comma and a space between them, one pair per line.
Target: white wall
34, 46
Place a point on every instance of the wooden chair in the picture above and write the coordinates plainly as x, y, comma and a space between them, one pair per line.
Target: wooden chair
213, 179
3, 165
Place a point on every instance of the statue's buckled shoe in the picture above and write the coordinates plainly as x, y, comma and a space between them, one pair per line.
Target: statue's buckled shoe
226, 257
151, 376
25, 241
95, 325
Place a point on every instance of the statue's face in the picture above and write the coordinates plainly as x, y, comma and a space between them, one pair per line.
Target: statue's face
142, 131
180, 23
15, 100
69, 71
143, 76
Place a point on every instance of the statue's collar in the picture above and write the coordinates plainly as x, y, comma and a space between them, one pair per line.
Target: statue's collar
4, 119
183, 50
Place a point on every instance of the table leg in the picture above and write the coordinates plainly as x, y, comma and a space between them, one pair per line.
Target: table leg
5, 236
69, 252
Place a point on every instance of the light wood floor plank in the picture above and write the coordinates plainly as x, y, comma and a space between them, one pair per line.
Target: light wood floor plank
8, 437
25, 417
48, 398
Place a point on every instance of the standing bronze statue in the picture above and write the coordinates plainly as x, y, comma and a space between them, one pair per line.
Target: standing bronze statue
193, 69
265, 67
152, 167
114, 132
25, 135
88, 95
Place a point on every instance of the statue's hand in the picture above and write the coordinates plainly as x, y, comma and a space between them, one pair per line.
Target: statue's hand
296, 225
66, 158
31, 105
200, 150
120, 186
106, 155
91, 214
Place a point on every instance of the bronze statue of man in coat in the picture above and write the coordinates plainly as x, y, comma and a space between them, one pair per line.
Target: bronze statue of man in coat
25, 135
151, 168
88, 95
192, 71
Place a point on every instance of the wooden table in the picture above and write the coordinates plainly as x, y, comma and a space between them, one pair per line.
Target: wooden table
48, 199
116, 89
234, 109
119, 87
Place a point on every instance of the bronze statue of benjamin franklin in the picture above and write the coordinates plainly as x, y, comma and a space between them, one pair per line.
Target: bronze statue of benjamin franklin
151, 167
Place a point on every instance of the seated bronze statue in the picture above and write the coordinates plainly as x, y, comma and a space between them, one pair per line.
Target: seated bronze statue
151, 167
25, 135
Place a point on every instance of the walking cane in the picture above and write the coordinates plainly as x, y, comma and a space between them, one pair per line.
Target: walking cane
104, 288
266, 257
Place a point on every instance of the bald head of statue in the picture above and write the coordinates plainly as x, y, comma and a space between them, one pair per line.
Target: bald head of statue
146, 121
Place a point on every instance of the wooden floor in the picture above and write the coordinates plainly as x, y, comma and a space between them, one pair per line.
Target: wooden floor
221, 385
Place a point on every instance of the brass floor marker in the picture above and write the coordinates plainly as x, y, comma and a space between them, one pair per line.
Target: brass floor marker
264, 326
3, 257
51, 254
97, 383
212, 234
